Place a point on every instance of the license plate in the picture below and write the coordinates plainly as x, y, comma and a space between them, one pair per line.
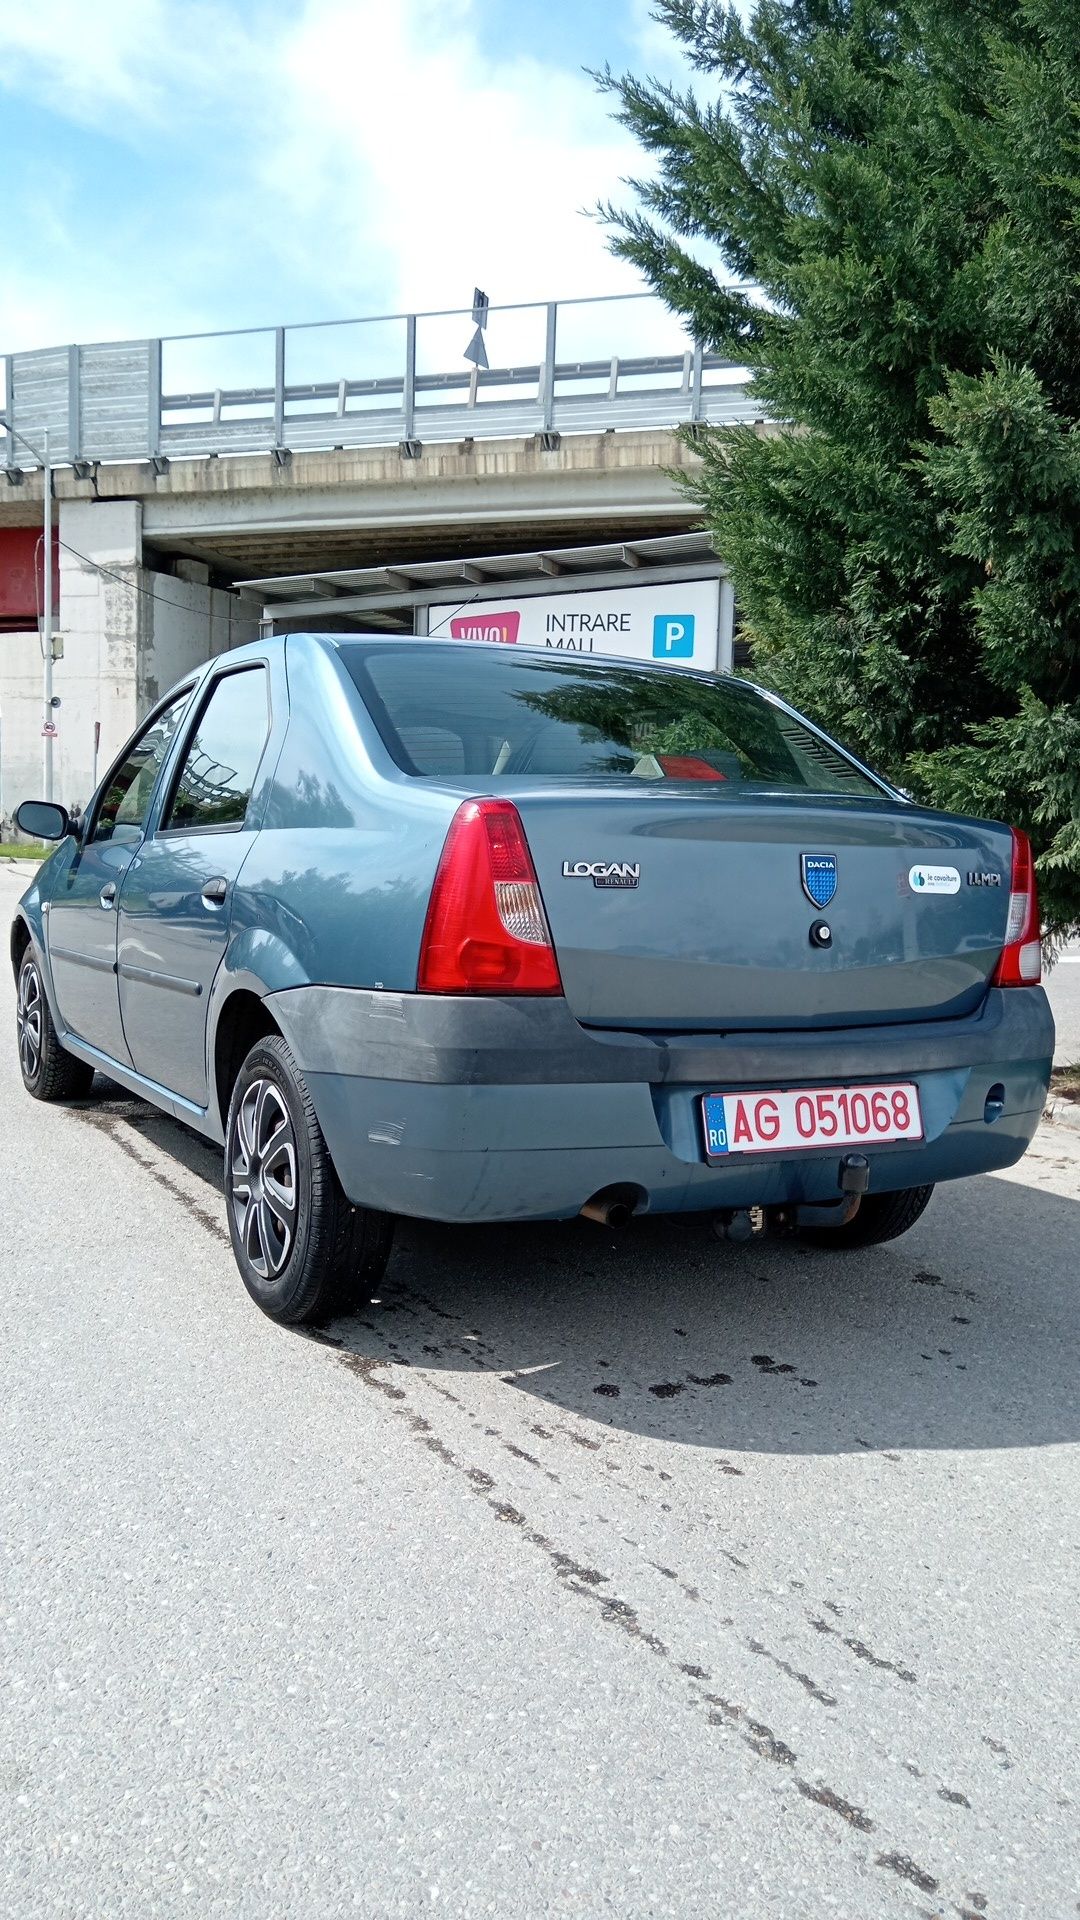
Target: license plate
796, 1118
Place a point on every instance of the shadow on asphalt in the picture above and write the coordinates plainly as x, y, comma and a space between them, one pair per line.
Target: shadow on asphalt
963, 1334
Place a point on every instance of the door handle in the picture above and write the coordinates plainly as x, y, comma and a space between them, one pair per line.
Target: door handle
213, 894
107, 896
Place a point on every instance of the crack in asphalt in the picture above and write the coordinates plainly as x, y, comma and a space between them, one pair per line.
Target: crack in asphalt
584, 1582
114, 1125
862, 1652
573, 1575
906, 1867
400, 1301
793, 1673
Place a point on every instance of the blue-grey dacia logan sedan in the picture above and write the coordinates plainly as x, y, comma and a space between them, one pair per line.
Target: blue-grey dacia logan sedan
474, 933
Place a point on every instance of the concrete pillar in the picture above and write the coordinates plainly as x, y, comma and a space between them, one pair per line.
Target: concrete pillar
20, 723
128, 634
97, 626
183, 623
102, 627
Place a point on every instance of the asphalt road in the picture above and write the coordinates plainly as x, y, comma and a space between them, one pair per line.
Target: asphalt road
575, 1574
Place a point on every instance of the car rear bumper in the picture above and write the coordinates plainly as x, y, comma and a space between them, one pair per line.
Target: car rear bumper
465, 1109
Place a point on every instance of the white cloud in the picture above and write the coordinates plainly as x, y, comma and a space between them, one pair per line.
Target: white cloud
122, 65
403, 142
659, 53
373, 153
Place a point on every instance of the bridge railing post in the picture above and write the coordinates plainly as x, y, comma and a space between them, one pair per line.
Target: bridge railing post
408, 390
74, 404
153, 412
9, 411
547, 371
696, 370
279, 386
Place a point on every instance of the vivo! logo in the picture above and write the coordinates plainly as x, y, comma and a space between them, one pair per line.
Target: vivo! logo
603, 873
501, 627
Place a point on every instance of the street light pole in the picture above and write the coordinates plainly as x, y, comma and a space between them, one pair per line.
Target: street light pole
47, 623
41, 455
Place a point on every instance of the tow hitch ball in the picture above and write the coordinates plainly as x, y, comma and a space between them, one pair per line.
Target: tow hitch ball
854, 1180
745, 1223
854, 1174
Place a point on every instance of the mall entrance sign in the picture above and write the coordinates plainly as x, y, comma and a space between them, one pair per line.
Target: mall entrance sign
678, 621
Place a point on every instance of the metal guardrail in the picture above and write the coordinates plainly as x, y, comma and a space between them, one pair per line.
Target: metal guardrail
107, 403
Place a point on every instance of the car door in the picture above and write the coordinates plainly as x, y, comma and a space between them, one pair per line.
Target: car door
175, 901
81, 937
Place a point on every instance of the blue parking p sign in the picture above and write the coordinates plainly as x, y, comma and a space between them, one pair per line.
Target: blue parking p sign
673, 636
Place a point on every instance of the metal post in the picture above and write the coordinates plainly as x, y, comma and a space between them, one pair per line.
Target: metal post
47, 620
74, 406
695, 389
9, 403
279, 386
725, 635
408, 392
153, 420
547, 390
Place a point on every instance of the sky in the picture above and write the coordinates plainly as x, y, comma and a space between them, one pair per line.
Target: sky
172, 166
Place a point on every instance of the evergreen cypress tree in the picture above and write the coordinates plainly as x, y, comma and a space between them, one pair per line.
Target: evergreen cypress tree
902, 182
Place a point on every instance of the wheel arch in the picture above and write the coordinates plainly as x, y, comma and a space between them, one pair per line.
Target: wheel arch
258, 963
243, 1019
21, 938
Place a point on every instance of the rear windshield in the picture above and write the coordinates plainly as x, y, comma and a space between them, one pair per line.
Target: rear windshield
445, 711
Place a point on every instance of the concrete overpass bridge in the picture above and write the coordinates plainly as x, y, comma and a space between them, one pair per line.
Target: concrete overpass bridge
190, 471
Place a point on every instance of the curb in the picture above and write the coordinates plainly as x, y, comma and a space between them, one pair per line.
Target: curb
1063, 1113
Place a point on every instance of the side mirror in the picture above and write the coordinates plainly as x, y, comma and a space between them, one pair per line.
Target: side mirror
43, 821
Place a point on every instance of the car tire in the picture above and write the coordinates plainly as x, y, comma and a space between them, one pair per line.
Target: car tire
303, 1250
881, 1216
49, 1071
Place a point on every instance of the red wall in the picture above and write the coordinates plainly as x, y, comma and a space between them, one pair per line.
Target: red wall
20, 599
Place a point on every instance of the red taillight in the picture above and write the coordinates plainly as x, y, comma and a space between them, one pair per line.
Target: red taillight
486, 929
1020, 964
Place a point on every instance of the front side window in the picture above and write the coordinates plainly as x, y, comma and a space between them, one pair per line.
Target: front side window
125, 803
216, 778
451, 711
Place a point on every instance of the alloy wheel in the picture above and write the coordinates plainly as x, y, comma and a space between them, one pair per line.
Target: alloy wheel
30, 1020
262, 1178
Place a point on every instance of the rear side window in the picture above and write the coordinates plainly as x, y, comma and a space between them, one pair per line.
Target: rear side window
217, 774
444, 710
125, 803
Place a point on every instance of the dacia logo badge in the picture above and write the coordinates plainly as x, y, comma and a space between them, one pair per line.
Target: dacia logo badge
818, 877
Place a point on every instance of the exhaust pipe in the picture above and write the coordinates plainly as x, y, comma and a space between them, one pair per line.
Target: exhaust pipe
607, 1213
612, 1207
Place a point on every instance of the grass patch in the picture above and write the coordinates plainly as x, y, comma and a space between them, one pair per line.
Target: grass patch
21, 850
1065, 1083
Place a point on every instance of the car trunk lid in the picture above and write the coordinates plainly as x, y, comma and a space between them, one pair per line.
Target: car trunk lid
678, 910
